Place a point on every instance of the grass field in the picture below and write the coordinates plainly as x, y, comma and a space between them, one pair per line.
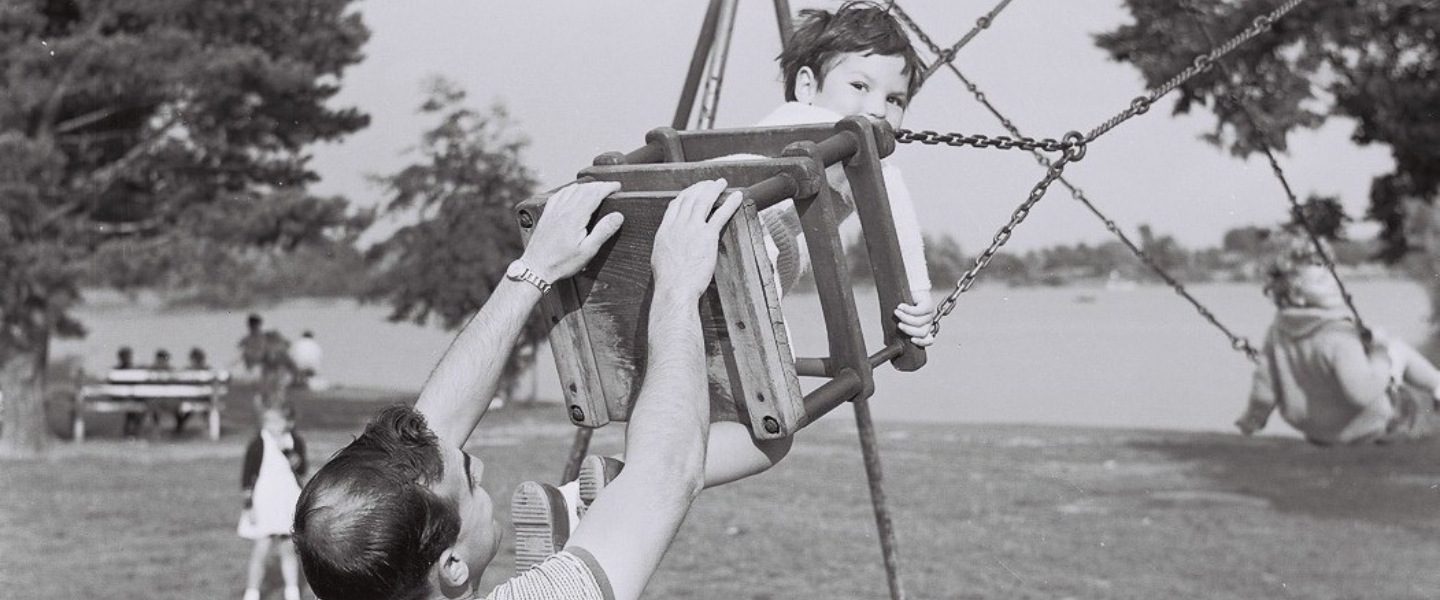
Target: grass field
981, 512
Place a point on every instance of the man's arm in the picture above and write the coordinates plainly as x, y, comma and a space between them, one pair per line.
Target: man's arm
460, 388
631, 525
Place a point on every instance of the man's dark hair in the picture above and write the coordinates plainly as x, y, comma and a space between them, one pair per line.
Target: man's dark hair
856, 27
254, 320
366, 525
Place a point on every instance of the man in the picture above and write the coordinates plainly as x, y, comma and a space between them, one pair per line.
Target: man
401, 513
269, 351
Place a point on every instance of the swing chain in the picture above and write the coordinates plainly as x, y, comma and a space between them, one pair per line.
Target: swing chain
1239, 343
1073, 153
947, 56
1001, 142
1296, 209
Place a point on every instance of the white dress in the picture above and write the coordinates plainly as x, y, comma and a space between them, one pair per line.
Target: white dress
272, 510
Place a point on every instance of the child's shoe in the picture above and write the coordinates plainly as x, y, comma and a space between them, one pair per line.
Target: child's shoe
542, 523
595, 473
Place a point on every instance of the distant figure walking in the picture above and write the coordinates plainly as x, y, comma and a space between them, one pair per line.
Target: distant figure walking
270, 485
270, 353
306, 354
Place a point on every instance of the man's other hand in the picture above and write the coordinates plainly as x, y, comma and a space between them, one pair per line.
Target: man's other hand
560, 245
687, 239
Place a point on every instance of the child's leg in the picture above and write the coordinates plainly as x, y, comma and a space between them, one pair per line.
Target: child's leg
255, 576
1417, 371
289, 568
732, 454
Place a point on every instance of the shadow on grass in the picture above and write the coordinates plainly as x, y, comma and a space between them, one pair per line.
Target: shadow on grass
1396, 484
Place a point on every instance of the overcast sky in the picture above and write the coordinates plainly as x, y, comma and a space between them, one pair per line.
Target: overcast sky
580, 77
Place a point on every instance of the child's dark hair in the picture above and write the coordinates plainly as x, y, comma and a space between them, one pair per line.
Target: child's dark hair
856, 27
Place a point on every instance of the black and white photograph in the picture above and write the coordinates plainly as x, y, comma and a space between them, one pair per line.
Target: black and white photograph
612, 300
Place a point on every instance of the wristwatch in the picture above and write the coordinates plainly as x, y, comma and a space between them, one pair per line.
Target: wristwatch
519, 271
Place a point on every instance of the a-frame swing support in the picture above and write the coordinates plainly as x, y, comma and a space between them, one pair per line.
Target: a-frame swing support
710, 48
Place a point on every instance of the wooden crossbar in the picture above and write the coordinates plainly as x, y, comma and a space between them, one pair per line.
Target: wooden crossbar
599, 316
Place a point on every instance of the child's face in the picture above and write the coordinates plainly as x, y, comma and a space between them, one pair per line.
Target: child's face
859, 84
275, 423
1315, 287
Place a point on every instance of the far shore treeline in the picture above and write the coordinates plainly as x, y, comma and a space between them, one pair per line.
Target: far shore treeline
344, 272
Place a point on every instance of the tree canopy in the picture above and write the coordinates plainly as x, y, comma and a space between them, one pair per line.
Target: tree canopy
1371, 61
156, 142
457, 201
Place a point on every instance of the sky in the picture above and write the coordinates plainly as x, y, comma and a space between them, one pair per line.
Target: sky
581, 77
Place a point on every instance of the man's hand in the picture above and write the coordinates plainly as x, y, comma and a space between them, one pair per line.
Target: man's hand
915, 319
560, 246
686, 242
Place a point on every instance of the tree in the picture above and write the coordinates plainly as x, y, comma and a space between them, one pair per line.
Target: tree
944, 260
461, 197
154, 143
1372, 61
1246, 240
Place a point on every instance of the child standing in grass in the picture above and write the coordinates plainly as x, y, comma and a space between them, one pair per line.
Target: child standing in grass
270, 486
856, 61
1316, 370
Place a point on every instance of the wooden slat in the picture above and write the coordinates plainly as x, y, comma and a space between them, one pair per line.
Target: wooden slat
672, 177
150, 390
877, 224
763, 356
161, 377
569, 337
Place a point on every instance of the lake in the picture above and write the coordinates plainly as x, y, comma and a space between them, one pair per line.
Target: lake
1087, 356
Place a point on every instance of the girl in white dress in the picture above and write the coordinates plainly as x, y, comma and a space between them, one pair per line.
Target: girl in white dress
270, 486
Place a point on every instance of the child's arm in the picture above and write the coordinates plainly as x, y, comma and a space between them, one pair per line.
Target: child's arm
914, 319
250, 470
1262, 398
300, 463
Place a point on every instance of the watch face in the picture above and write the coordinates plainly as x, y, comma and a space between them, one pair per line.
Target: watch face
515, 270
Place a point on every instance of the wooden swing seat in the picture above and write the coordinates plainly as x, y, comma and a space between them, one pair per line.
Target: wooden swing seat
600, 315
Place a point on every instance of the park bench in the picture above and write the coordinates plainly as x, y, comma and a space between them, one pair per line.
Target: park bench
134, 391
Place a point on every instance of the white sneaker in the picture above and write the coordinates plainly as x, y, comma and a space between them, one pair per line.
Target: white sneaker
542, 523
596, 472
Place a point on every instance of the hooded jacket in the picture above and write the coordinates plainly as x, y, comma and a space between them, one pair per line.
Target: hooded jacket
1316, 372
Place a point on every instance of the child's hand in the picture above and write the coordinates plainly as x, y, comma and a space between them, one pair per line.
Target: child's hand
915, 319
1246, 427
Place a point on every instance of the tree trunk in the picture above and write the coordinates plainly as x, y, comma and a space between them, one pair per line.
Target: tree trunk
22, 380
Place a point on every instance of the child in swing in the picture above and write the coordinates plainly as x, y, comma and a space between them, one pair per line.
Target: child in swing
1315, 369
856, 61
270, 487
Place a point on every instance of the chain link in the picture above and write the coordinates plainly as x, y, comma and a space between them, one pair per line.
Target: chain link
1000, 142
1052, 173
947, 56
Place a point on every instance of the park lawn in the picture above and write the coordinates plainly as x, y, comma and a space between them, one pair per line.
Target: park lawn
981, 512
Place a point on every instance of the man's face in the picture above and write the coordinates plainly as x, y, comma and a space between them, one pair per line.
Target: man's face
479, 531
871, 85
